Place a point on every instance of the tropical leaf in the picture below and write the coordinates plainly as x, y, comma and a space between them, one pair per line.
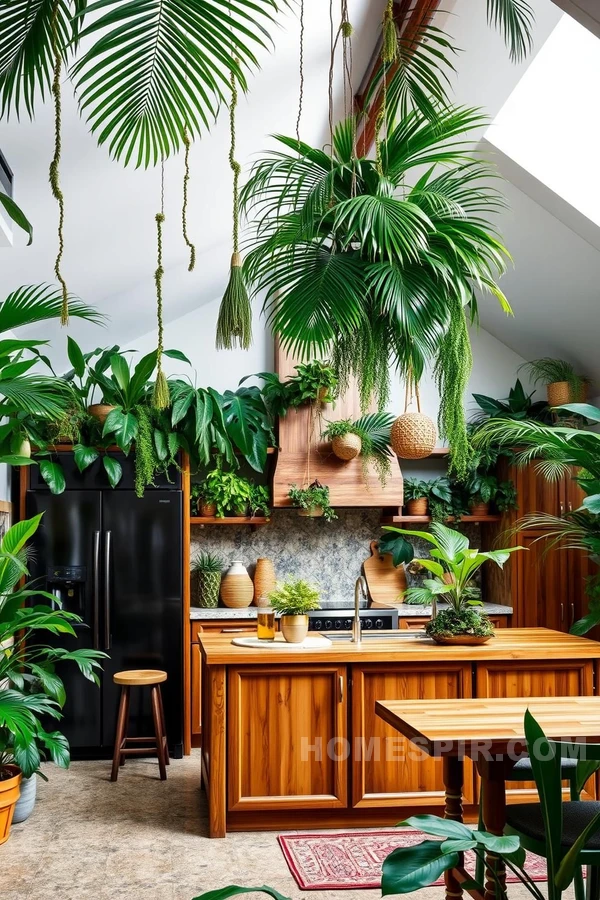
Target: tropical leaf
53, 475
113, 469
233, 890
408, 869
157, 67
39, 302
16, 214
515, 20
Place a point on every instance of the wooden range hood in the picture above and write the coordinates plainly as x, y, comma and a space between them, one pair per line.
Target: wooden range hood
345, 480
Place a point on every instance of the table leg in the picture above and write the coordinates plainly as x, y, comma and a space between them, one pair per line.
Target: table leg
493, 773
217, 786
453, 784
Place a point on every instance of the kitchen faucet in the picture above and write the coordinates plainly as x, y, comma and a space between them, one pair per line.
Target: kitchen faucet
359, 588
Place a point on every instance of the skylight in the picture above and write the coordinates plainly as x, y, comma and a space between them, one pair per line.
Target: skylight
550, 125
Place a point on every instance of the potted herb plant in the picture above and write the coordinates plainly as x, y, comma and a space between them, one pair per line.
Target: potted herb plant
293, 599
453, 570
312, 500
208, 568
314, 382
367, 437
229, 492
563, 385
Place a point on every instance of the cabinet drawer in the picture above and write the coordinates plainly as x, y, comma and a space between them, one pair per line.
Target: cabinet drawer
414, 623
221, 626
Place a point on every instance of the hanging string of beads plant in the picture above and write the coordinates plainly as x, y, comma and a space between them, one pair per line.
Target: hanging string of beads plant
234, 324
161, 398
452, 372
54, 173
186, 177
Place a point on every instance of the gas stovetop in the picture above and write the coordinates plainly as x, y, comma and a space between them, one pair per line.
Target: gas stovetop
341, 619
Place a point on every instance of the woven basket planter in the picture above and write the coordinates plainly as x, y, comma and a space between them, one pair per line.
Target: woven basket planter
559, 392
413, 436
264, 581
347, 446
417, 507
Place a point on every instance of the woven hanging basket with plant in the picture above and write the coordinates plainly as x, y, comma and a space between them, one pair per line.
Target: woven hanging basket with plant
347, 446
413, 434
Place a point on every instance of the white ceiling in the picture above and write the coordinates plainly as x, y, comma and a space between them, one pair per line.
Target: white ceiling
110, 229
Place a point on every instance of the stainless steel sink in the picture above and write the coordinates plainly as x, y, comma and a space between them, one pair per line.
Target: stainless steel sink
378, 636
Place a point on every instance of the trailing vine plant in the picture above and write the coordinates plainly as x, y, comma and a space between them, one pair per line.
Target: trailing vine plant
161, 398
186, 177
452, 372
234, 324
54, 173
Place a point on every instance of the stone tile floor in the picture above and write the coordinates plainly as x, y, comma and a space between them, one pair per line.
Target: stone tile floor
142, 839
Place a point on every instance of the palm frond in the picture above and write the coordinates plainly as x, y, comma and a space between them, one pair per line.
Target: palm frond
159, 66
515, 20
38, 302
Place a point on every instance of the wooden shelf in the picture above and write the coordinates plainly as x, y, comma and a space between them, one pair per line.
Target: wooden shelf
229, 520
396, 520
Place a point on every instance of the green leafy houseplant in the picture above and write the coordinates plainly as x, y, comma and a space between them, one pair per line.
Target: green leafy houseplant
260, 501
312, 500
552, 372
208, 568
373, 446
518, 405
293, 599
558, 449
35, 691
230, 492
453, 566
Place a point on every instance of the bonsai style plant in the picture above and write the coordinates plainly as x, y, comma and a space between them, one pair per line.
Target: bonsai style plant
293, 599
453, 566
367, 437
208, 568
563, 385
31, 690
313, 501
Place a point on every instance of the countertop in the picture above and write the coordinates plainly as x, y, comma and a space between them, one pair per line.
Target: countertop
405, 610
507, 644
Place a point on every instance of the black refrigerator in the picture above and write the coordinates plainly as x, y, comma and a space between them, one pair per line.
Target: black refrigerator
116, 561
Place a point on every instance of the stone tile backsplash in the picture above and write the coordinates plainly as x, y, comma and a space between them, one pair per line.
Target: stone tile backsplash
329, 554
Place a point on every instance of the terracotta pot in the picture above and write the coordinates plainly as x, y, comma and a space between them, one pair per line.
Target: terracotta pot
264, 581
10, 790
417, 507
207, 510
479, 509
294, 628
472, 639
347, 446
237, 589
313, 512
100, 411
413, 436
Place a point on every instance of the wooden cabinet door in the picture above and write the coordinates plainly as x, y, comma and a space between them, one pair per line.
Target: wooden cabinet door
387, 769
414, 623
537, 494
287, 737
541, 584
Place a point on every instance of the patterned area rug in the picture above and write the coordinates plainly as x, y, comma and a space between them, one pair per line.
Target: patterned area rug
352, 859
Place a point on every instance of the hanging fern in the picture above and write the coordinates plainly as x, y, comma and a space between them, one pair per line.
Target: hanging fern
452, 373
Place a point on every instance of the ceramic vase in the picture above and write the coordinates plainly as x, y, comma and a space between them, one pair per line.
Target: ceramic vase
208, 589
294, 628
237, 589
264, 581
26, 801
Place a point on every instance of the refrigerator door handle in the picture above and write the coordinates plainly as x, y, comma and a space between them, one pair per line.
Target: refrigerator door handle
96, 590
107, 548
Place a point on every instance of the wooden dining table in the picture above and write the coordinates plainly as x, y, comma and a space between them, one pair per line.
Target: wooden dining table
491, 733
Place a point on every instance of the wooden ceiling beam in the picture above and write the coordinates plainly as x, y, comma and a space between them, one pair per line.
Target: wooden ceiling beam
410, 16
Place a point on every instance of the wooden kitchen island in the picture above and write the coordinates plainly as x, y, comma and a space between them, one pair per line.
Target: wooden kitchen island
291, 738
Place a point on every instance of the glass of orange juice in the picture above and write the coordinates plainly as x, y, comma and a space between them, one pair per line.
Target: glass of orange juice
265, 624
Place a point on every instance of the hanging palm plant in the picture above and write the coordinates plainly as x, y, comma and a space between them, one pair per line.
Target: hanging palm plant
234, 324
359, 265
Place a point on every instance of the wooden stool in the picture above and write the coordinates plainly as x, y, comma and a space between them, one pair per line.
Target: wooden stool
140, 678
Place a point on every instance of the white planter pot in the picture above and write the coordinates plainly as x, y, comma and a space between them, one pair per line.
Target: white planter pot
26, 801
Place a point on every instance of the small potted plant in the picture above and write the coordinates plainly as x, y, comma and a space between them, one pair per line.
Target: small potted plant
260, 501
293, 599
416, 495
208, 567
229, 492
563, 385
203, 503
453, 570
312, 501
367, 437
314, 382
